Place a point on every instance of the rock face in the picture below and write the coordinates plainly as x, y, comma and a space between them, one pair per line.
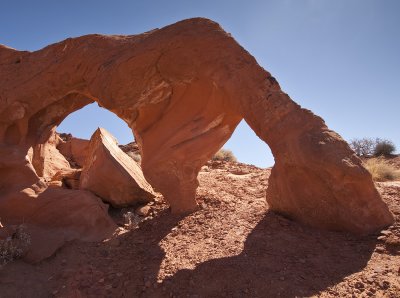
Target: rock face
54, 216
111, 174
46, 159
68, 178
132, 150
75, 150
183, 89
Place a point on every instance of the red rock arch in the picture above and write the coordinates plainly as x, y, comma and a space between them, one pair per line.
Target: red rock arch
183, 89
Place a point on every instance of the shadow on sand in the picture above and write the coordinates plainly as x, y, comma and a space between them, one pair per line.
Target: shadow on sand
280, 259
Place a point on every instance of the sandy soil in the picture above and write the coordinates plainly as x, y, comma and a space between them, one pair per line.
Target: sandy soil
232, 247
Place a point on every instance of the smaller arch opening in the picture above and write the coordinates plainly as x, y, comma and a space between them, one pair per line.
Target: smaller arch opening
248, 148
77, 129
84, 122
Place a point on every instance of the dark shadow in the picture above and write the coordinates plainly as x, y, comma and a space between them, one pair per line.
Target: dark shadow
280, 259
141, 262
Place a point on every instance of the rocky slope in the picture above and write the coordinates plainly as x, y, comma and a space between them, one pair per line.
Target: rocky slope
234, 246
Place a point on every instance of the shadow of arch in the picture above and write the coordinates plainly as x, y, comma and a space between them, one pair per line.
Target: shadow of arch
277, 261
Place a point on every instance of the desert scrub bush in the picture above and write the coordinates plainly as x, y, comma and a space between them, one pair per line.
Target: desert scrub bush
363, 147
384, 147
224, 155
15, 246
381, 170
372, 147
135, 156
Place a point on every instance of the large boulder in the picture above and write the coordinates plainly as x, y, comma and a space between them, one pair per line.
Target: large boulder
53, 216
113, 175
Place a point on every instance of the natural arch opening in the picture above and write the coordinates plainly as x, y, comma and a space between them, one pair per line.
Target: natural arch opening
84, 155
248, 148
84, 122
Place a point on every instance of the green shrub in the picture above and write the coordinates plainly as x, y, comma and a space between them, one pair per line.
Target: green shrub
381, 170
384, 147
224, 155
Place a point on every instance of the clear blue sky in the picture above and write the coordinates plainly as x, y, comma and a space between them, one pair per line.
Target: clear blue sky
339, 58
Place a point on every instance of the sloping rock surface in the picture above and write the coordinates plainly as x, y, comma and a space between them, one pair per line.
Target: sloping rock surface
112, 175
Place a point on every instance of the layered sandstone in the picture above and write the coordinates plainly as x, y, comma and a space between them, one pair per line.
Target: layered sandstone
183, 89
112, 175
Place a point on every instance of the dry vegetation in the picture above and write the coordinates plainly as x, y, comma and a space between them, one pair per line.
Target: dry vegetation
14, 246
224, 155
381, 169
367, 147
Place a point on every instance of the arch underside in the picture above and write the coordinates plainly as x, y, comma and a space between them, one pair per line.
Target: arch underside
182, 89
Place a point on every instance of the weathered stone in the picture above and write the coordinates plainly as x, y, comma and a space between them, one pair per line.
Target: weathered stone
112, 175
75, 150
69, 178
143, 210
183, 89
54, 216
46, 159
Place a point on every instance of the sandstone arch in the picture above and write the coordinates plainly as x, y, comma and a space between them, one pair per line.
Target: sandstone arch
182, 89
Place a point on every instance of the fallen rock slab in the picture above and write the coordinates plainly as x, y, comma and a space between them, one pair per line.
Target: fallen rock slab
112, 175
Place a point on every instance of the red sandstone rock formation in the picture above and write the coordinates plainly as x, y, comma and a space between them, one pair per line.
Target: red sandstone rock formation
182, 89
46, 159
75, 150
111, 174
67, 178
54, 216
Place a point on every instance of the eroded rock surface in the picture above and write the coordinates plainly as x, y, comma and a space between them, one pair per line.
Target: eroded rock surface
112, 175
183, 89
75, 150
54, 216
68, 178
46, 159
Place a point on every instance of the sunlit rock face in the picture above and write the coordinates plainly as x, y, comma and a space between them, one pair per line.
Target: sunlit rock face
112, 175
182, 89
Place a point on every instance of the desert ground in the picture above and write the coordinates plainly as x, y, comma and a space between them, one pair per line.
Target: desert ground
233, 246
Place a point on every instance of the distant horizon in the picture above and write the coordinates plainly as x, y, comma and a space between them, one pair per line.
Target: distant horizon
338, 59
